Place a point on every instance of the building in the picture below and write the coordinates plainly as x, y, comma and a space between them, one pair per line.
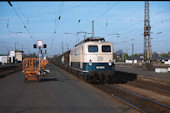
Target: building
16, 56
3, 60
12, 56
135, 59
165, 60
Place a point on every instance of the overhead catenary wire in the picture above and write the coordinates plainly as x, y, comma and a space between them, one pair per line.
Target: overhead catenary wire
56, 23
88, 12
51, 13
9, 35
129, 14
101, 14
128, 26
85, 15
126, 32
23, 13
20, 19
9, 31
153, 42
21, 10
153, 26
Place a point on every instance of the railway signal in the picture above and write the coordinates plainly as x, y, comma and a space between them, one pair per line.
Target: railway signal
40, 45
34, 68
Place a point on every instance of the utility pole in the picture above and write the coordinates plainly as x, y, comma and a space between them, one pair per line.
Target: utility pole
15, 46
67, 47
125, 46
62, 47
147, 40
22, 47
132, 46
6, 47
123, 52
132, 51
78, 37
93, 29
28, 47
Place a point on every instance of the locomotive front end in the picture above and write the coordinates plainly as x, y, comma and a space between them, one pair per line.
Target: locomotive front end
98, 62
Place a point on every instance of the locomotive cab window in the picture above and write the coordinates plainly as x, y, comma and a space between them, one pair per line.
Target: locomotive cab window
93, 48
106, 48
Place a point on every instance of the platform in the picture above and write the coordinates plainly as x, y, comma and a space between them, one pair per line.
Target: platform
60, 92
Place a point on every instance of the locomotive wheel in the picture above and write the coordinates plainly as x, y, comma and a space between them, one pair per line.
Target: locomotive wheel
78, 74
101, 79
94, 79
86, 77
114, 79
108, 79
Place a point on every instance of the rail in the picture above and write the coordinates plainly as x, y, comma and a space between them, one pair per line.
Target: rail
138, 102
141, 103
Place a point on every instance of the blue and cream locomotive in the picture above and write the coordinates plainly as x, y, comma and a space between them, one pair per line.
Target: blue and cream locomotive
91, 59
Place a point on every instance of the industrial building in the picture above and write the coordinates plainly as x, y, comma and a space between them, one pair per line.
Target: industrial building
13, 57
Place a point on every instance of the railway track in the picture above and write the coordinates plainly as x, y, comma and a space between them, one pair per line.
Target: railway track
148, 85
141, 103
6, 71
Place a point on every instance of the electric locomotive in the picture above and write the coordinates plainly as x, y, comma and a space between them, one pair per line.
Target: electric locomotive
91, 59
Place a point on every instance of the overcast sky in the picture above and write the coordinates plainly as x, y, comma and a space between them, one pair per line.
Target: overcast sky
110, 19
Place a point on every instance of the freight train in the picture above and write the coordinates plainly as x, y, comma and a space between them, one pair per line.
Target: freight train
91, 59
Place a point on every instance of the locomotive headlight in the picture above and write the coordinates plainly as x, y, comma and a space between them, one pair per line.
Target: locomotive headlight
90, 63
110, 63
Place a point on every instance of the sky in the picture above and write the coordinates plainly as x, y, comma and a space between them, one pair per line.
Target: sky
119, 22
